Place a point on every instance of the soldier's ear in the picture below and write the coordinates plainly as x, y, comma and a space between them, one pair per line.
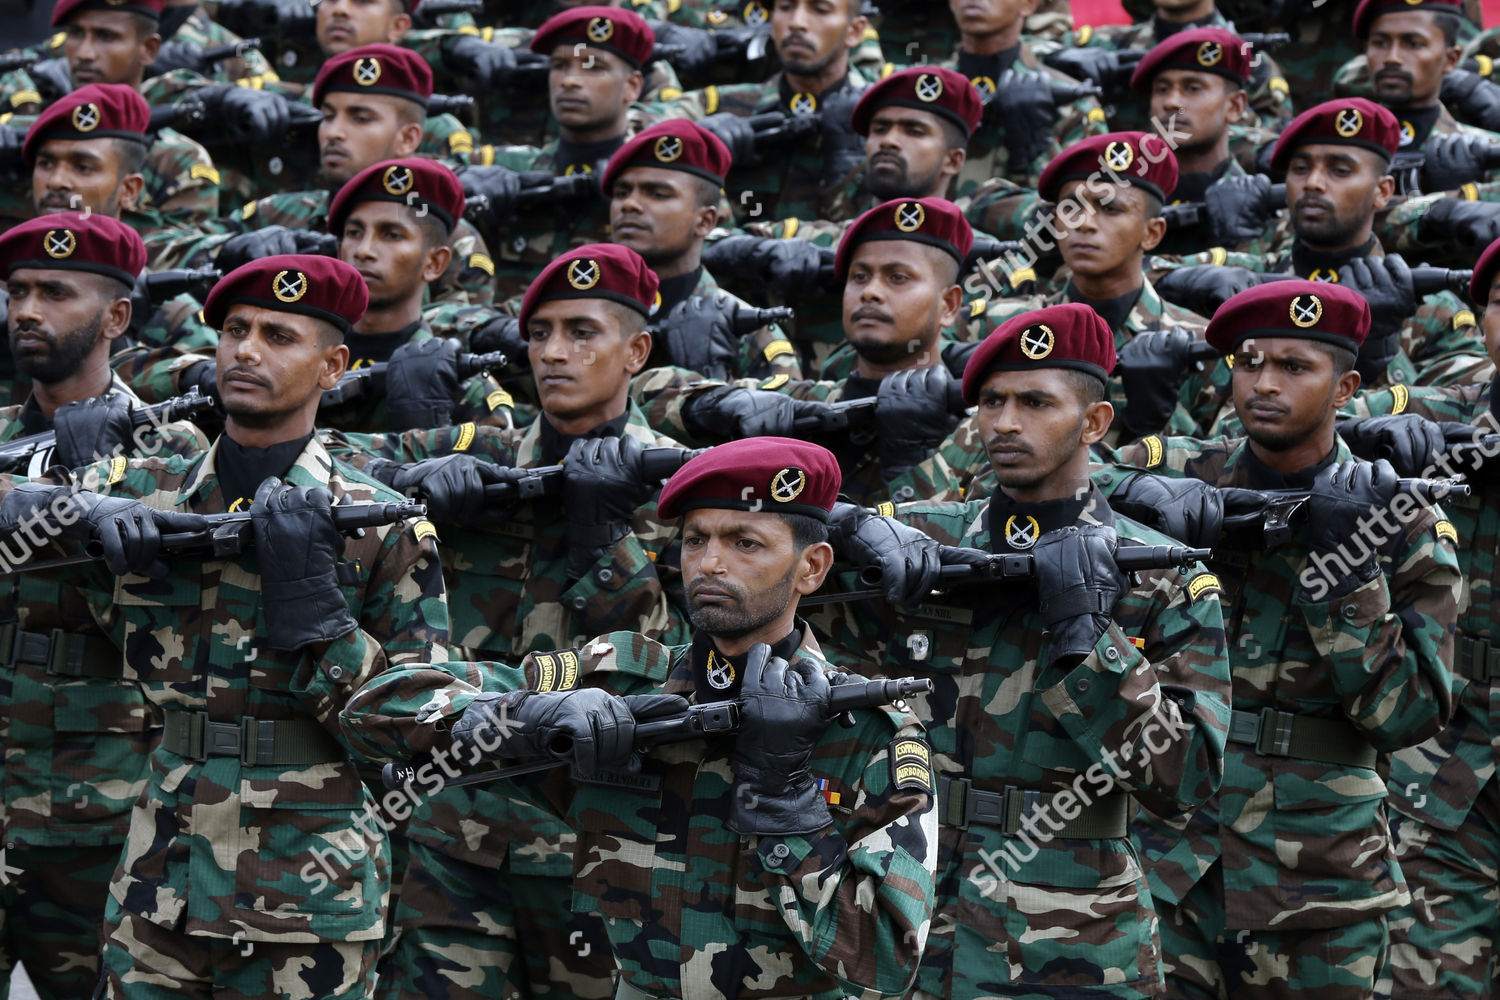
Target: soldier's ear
950, 303
1345, 388
813, 566
1385, 189
408, 138
115, 320
637, 351
634, 83
400, 25
150, 46
131, 186
335, 363
856, 30
1155, 229
438, 259
1239, 103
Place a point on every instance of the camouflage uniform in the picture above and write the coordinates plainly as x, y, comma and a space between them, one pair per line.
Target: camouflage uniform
762, 352
219, 847
697, 911
1398, 231
1068, 912
1289, 872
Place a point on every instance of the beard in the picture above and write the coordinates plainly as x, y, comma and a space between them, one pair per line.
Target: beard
62, 356
745, 613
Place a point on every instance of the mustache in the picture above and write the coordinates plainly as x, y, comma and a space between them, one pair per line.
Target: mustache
870, 312
242, 370
1394, 72
1007, 441
699, 584
1309, 199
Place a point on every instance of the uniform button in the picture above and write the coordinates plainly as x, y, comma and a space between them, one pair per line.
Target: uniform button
1083, 685
578, 603
335, 671
431, 706
1107, 479
1351, 612
905, 493
1111, 653
1398, 375
606, 575
518, 244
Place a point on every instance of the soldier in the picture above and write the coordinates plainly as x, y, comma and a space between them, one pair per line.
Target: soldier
76, 734
1340, 644
1059, 699
213, 889
787, 859
665, 186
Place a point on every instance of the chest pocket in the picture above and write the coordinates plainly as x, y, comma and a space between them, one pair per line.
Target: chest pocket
934, 639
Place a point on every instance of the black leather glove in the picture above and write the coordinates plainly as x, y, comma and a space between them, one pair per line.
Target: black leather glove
956, 356
699, 335
503, 333
593, 729
909, 560
1153, 365
1205, 288
843, 148
1472, 99
485, 63
500, 189
1023, 104
175, 55
1240, 208
1471, 225
914, 413
452, 486
201, 375
602, 486
267, 18
1385, 282
697, 56
1451, 161
298, 548
53, 79
129, 531
787, 267
248, 115
421, 383
784, 709
1412, 444
92, 429
1338, 510
1110, 69
1188, 510
240, 250
729, 412
1077, 583
736, 133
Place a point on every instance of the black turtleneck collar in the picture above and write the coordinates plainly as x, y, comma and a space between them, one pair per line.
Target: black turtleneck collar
373, 348
1416, 125
975, 66
1010, 522
585, 154
784, 88
553, 444
241, 470
1307, 262
676, 290
1263, 477
1194, 187
1162, 30
1115, 311
717, 677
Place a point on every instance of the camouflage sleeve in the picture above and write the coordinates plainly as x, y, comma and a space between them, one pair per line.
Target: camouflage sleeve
947, 472
1443, 340
153, 372
412, 707
1389, 644
1399, 228
485, 403
191, 245
624, 589
182, 184
492, 444
766, 352
179, 324
661, 392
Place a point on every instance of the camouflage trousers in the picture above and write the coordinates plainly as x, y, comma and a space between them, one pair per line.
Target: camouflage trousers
1443, 944
144, 961
1207, 959
51, 913
477, 934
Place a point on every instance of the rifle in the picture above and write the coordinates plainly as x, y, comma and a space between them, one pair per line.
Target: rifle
1268, 41
985, 248
1194, 213
1273, 510
1425, 280
459, 105
370, 380
190, 117
426, 15
12, 61
274, 21
746, 319
716, 718
540, 189
1407, 168
1131, 558
16, 455
547, 480
151, 290
855, 414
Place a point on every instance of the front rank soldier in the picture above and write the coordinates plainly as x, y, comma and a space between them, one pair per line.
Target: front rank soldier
76, 734
788, 859
250, 658
1340, 643
1059, 699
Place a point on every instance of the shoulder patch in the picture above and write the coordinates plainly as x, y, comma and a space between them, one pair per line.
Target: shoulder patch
1217, 256
1084, 34
1445, 529
483, 263
1400, 396
21, 98
1021, 275
199, 171
424, 530
1470, 191
497, 399
1278, 85
710, 99
911, 765
672, 93
248, 210
885, 509
1154, 451
1463, 318
789, 227
556, 671
1204, 583
465, 437
461, 142
977, 307
776, 381
116, 470
1096, 114
777, 348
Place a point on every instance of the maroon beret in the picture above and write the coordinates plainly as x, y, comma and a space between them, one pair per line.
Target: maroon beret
594, 271
674, 144
1203, 50
613, 29
98, 111
941, 91
1368, 10
322, 287
414, 181
1484, 274
70, 241
769, 475
934, 221
1137, 158
1309, 310
1348, 121
67, 8
376, 69
1071, 335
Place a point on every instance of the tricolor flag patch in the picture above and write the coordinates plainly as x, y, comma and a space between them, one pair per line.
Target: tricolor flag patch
827, 792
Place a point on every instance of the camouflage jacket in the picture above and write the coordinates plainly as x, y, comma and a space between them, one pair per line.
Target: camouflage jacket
222, 848
697, 911
1400, 231
1304, 842
1064, 913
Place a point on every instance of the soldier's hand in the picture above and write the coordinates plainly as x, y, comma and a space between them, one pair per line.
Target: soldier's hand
1386, 284
909, 560
789, 267
602, 486
784, 709
298, 547
1153, 365
1409, 442
421, 383
736, 133
1240, 208
500, 186
915, 410
249, 115
1108, 68
92, 429
1451, 161
52, 78
200, 375
1472, 99
1077, 583
266, 18
593, 729
1338, 510
271, 241
698, 56
175, 55
730, 412
452, 486
700, 335
486, 63
1024, 105
129, 531
1472, 225
1188, 510
956, 355
1205, 288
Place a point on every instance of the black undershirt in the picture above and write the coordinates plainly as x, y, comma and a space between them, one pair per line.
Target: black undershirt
1306, 260
374, 348
553, 444
1263, 477
1194, 187
1115, 311
1049, 516
585, 154
711, 666
241, 470
787, 93
676, 290
1162, 30
1421, 121
974, 66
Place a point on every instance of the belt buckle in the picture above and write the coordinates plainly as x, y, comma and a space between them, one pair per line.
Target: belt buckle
59, 662
1275, 732
222, 739
988, 808
1244, 727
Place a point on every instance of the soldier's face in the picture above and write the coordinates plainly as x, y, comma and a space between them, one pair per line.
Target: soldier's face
1408, 58
582, 361
104, 46
655, 212
1200, 106
743, 573
1035, 426
346, 24
907, 155
383, 241
79, 174
897, 298
1104, 232
360, 129
988, 17
274, 365
1334, 192
590, 88
1491, 323
810, 35
55, 320
1285, 389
